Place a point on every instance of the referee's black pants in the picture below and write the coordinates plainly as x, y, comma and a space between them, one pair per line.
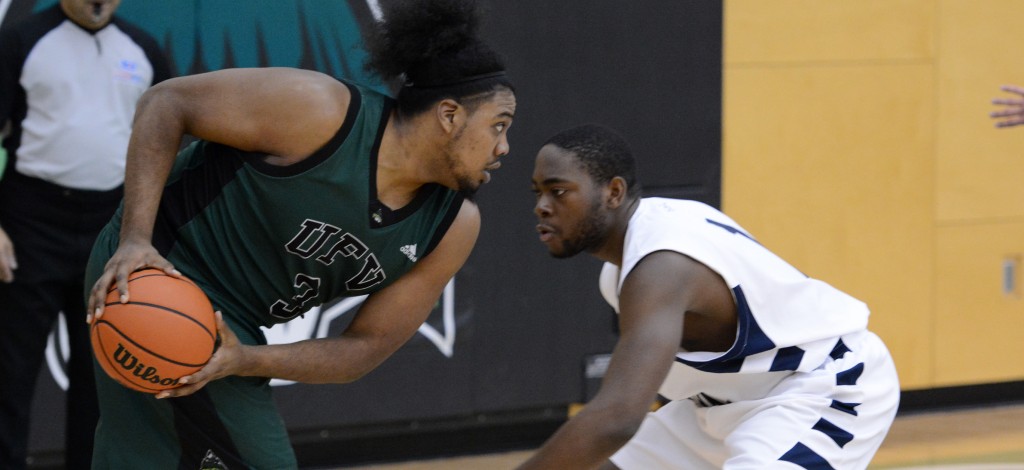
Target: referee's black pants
52, 229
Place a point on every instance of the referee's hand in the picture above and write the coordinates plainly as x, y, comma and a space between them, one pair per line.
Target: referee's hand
8, 263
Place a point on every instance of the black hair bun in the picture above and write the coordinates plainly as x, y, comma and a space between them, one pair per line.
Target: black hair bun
417, 33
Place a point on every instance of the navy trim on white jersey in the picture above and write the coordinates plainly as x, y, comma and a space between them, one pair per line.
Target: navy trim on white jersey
749, 341
806, 458
838, 435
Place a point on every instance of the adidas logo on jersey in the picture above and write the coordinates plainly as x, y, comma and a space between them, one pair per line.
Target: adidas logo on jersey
212, 462
410, 251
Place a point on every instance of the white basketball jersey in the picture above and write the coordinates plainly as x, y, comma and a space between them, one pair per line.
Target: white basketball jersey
787, 321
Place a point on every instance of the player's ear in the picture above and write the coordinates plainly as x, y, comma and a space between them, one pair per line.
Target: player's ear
448, 111
615, 192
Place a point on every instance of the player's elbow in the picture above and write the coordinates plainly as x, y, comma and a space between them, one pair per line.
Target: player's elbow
612, 436
341, 374
163, 91
622, 431
613, 426
163, 102
356, 372
364, 355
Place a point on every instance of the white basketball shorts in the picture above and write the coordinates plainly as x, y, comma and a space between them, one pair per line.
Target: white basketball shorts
833, 417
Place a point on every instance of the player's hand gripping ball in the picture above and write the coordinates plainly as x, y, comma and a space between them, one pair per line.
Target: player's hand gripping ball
166, 331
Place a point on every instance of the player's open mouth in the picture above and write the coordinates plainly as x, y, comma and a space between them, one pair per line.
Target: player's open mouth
489, 168
546, 232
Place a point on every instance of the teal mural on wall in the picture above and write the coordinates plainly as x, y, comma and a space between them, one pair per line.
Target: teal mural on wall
204, 35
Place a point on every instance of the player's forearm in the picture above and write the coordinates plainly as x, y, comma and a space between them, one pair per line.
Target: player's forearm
156, 135
329, 360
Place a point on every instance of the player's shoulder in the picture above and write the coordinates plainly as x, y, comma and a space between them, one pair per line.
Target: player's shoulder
465, 225
339, 91
319, 96
468, 214
671, 205
307, 77
669, 224
657, 214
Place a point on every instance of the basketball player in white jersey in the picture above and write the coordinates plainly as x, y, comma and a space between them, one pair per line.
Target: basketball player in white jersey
759, 366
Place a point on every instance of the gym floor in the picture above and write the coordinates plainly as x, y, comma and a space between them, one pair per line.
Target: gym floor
990, 438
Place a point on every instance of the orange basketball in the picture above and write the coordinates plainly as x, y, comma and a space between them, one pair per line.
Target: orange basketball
167, 330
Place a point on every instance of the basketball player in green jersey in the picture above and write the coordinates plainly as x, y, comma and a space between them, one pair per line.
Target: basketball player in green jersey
302, 188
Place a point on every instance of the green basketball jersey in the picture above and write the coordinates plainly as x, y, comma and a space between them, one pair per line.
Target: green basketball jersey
267, 243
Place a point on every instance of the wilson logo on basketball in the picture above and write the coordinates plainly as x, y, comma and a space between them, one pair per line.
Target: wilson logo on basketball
140, 370
166, 331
